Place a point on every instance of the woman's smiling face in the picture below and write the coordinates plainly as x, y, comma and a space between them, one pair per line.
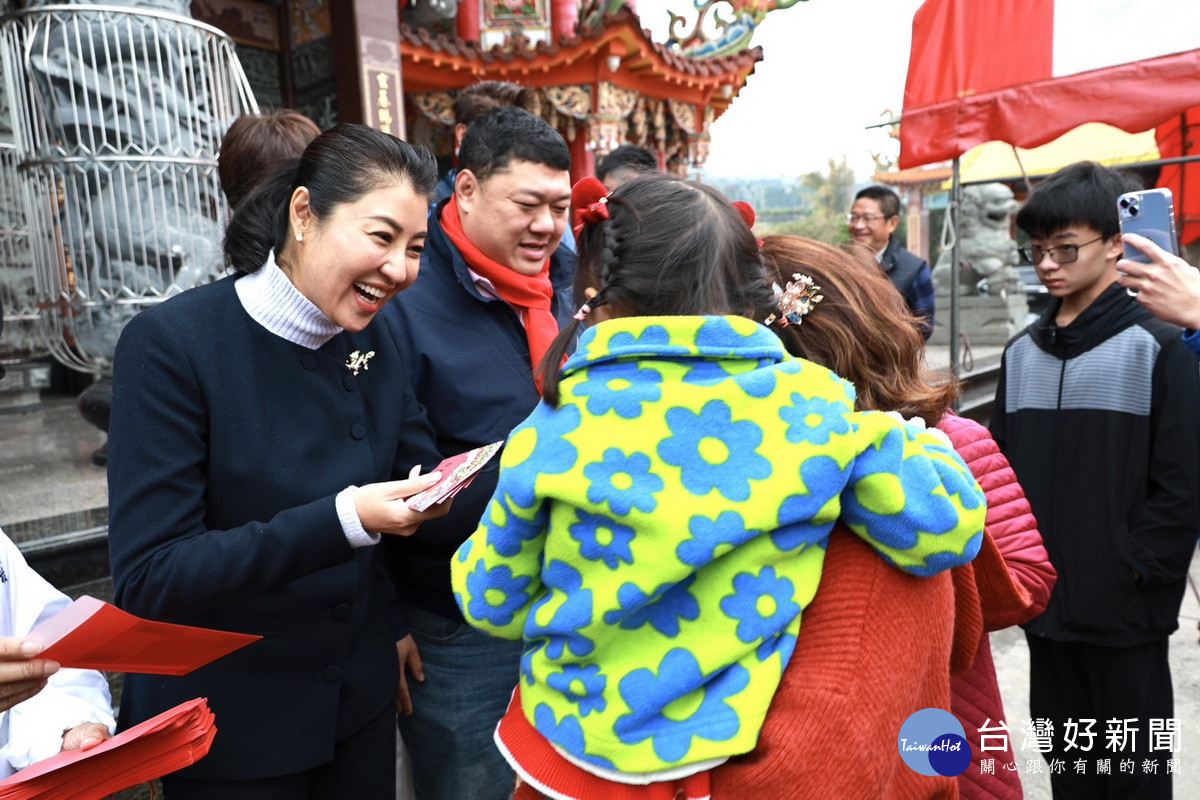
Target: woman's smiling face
350, 263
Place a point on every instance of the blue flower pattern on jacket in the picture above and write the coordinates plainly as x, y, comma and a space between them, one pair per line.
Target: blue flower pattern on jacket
713, 537
655, 336
583, 686
815, 419
567, 734
496, 594
714, 451
706, 373
679, 674
918, 499
819, 475
662, 608
624, 482
758, 620
621, 388
562, 631
602, 539
551, 454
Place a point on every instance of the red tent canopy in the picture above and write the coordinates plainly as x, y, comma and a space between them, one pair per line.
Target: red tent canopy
1180, 137
1028, 71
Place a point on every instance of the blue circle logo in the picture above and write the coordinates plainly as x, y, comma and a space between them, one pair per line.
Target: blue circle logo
932, 742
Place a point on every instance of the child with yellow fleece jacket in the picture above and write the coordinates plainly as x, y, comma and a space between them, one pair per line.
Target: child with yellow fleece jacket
660, 519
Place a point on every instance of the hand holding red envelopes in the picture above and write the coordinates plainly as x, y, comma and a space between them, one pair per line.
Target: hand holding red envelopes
173, 740
457, 473
93, 634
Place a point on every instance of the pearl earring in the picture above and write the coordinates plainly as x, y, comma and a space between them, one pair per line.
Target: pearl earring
299, 236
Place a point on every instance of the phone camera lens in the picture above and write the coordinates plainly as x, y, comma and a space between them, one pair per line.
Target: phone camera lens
1125, 202
1133, 211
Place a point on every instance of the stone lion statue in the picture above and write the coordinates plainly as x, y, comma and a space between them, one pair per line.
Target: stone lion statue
987, 252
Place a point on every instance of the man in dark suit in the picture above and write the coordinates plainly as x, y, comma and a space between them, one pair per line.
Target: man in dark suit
873, 221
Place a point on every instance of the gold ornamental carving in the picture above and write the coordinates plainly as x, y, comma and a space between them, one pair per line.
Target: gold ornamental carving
438, 107
566, 106
615, 102
684, 114
573, 100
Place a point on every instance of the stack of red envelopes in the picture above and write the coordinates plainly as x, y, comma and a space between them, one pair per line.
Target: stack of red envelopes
93, 634
172, 740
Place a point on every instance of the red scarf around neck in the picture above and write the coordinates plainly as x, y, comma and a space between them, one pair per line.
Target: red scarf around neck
531, 293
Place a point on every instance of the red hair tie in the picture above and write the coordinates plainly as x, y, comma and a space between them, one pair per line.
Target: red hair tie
747, 212
748, 215
590, 198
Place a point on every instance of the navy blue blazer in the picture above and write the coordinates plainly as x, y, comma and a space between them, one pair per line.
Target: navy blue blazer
471, 369
227, 446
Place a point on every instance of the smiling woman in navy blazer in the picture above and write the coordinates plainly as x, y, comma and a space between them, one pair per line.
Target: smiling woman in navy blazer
258, 426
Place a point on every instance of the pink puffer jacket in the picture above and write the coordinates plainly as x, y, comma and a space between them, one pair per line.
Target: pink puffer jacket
1014, 578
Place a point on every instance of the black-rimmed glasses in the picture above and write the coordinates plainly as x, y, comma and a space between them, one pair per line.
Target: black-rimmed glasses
1059, 254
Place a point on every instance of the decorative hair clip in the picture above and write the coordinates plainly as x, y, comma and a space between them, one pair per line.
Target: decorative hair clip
590, 198
795, 300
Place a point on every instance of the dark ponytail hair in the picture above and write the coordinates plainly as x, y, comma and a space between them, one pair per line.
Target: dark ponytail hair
669, 247
340, 166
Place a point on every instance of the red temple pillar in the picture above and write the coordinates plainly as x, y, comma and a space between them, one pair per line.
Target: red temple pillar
583, 160
468, 20
564, 17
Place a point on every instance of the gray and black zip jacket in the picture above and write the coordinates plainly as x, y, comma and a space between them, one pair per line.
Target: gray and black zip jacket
1101, 422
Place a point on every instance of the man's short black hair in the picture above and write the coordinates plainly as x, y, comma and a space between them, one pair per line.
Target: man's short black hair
889, 201
508, 134
1083, 193
627, 156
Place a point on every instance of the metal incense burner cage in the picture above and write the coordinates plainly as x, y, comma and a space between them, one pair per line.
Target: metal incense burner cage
117, 114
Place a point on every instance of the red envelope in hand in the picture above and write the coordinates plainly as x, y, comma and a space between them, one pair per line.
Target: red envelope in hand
93, 634
457, 473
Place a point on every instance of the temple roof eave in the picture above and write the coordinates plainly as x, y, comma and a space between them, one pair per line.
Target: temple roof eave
439, 61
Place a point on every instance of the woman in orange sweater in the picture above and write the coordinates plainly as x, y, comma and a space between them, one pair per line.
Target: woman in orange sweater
876, 645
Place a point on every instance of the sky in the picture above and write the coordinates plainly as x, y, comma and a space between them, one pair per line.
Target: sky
830, 69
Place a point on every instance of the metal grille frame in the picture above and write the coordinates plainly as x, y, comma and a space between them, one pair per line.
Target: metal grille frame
117, 117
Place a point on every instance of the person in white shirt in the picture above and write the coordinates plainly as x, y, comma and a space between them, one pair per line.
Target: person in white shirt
44, 709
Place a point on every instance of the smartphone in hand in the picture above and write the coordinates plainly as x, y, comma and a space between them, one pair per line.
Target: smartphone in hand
1151, 213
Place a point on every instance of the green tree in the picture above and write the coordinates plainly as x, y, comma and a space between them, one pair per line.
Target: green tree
830, 195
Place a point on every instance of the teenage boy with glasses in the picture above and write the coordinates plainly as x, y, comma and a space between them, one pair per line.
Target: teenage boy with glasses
872, 221
1098, 411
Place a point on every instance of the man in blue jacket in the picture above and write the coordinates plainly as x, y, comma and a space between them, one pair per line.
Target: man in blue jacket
1096, 409
494, 290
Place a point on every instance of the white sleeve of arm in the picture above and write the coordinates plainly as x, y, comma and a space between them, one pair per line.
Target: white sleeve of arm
36, 727
352, 526
72, 697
